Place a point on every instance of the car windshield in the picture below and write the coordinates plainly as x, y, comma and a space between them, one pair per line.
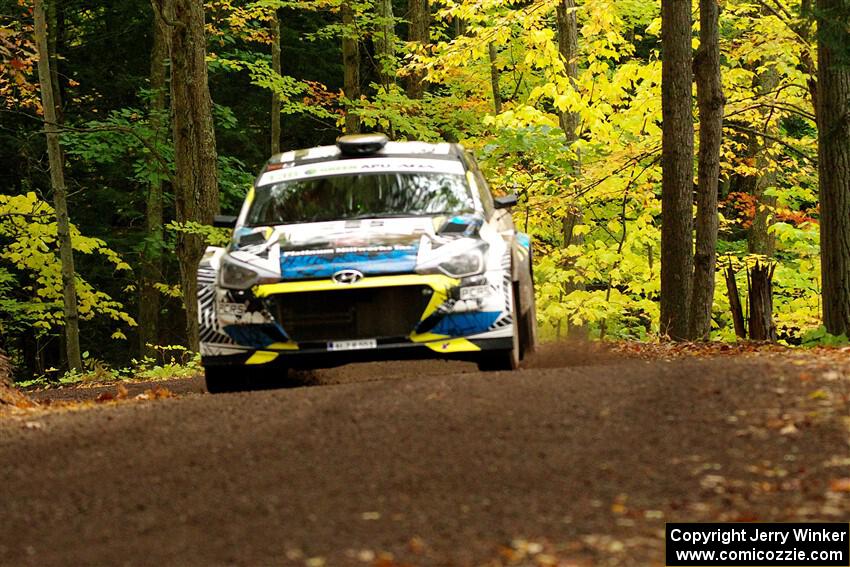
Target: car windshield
360, 196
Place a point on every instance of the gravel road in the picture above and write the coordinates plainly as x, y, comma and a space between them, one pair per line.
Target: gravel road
578, 459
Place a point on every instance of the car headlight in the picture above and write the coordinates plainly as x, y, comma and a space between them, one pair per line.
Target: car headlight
233, 274
457, 259
462, 265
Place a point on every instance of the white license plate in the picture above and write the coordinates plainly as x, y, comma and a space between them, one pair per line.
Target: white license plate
353, 345
236, 309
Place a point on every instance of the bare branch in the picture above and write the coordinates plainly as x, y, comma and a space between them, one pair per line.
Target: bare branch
807, 45
738, 127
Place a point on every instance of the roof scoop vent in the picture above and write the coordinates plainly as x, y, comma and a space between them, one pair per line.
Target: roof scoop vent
361, 144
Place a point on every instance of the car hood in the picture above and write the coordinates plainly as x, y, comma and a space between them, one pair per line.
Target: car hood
370, 246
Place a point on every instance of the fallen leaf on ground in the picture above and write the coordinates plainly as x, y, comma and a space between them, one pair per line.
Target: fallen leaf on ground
416, 545
104, 397
157, 393
789, 429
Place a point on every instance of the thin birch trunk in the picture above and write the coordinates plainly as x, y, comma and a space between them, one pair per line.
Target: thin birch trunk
60, 204
494, 78
568, 49
351, 67
276, 67
385, 43
151, 269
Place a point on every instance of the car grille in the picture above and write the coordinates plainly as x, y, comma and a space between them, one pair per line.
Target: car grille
351, 314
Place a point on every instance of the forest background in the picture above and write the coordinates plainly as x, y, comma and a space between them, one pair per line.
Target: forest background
560, 100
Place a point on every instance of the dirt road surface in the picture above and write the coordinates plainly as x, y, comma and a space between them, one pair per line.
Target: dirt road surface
578, 459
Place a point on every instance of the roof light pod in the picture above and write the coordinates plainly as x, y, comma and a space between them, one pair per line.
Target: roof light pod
361, 144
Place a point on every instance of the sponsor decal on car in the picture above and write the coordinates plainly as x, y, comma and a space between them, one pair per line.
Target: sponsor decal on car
360, 165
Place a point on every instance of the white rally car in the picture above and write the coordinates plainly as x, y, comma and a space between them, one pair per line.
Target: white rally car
365, 250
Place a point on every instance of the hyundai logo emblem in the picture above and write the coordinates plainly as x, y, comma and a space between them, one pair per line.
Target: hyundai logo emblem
347, 276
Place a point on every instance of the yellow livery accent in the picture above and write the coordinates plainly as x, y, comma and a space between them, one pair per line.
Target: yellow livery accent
438, 282
249, 198
440, 285
283, 346
261, 357
427, 337
437, 298
453, 345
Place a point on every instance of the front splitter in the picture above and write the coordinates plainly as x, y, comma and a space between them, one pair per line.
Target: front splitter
314, 356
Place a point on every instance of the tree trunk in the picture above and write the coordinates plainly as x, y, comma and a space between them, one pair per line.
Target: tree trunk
569, 121
276, 67
568, 48
419, 16
833, 115
760, 279
710, 102
5, 370
151, 268
8, 394
735, 304
195, 160
351, 67
385, 42
677, 168
760, 239
54, 40
57, 180
460, 27
494, 78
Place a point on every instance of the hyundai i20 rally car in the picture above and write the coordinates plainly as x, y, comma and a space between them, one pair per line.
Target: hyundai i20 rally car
366, 250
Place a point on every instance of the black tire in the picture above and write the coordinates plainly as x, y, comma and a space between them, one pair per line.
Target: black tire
508, 359
269, 378
527, 328
226, 379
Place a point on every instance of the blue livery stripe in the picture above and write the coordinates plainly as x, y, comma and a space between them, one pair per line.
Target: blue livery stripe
465, 324
255, 336
368, 263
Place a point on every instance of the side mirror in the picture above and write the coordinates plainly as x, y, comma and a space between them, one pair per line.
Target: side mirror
506, 201
224, 221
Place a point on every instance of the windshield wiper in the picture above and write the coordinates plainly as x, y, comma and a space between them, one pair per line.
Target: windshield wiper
452, 213
381, 216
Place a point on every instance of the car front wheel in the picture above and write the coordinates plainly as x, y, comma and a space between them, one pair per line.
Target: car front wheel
507, 359
527, 329
226, 379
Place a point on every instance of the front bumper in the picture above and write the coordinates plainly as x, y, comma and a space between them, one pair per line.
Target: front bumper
440, 325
